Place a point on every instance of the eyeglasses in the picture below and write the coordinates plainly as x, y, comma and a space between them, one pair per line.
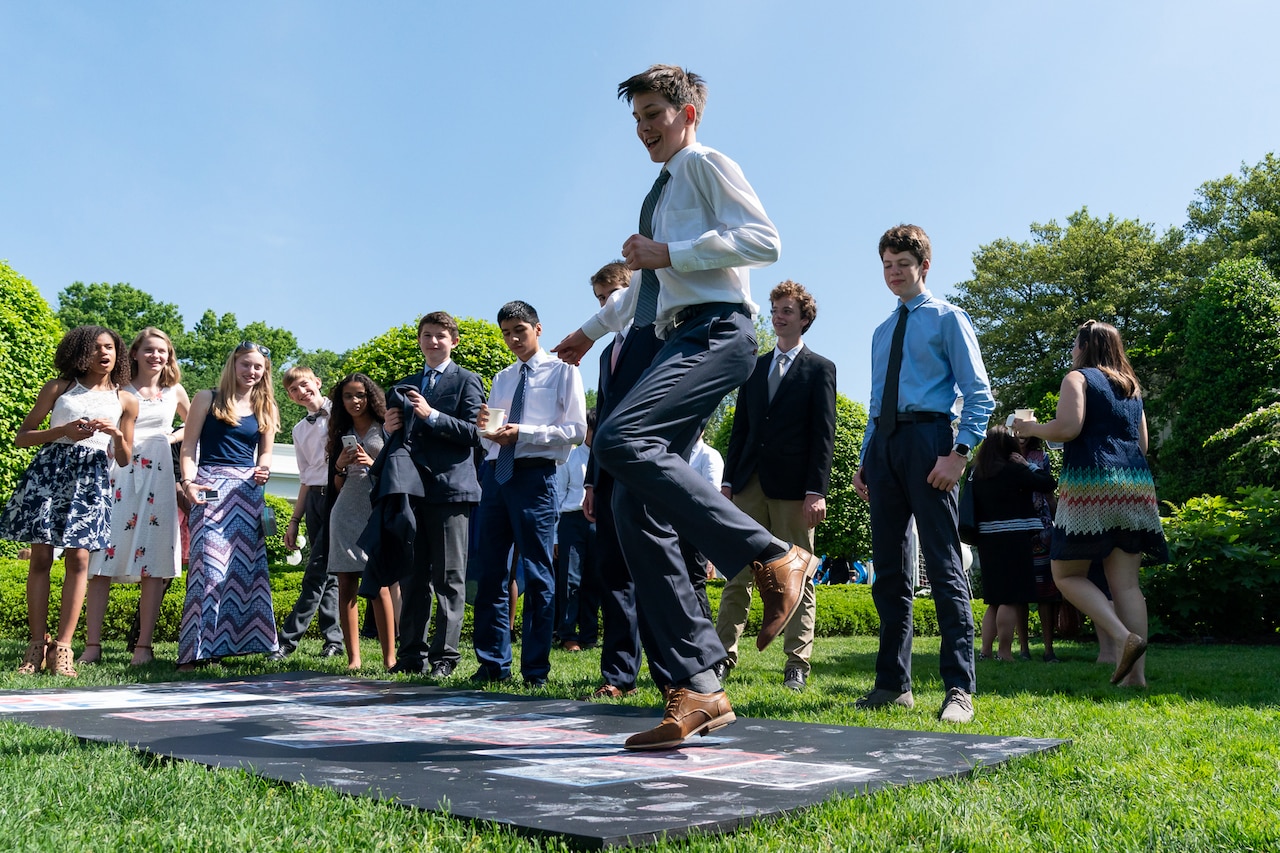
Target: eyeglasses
244, 345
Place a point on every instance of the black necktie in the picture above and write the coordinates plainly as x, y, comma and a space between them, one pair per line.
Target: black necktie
647, 301
507, 454
889, 399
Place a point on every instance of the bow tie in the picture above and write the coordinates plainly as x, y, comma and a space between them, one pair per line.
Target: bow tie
315, 416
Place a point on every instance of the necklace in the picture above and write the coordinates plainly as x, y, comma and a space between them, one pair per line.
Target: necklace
148, 397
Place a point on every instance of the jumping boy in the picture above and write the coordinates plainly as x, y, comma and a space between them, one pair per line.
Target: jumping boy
546, 415
701, 227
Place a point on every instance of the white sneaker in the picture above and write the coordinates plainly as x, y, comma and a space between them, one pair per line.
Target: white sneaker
958, 707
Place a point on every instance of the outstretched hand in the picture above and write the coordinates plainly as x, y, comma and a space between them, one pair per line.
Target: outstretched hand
574, 346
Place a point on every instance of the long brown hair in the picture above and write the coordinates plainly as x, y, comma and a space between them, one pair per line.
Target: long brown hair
997, 450
1100, 346
262, 398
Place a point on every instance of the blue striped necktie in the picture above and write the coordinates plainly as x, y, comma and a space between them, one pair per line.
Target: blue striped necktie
506, 466
647, 301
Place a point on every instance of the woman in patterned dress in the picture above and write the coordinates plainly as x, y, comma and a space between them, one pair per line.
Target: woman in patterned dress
62, 500
228, 605
1106, 498
146, 547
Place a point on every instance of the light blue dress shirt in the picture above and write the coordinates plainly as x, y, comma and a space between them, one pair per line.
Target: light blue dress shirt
940, 363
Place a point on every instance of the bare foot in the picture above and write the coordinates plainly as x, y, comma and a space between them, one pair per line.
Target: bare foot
142, 656
388, 662
354, 664
89, 656
187, 667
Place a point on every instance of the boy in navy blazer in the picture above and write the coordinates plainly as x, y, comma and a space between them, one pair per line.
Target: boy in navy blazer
441, 403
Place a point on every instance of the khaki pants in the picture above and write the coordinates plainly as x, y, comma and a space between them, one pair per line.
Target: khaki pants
785, 520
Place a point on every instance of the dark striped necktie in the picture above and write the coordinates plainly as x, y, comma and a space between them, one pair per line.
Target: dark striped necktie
647, 301
506, 466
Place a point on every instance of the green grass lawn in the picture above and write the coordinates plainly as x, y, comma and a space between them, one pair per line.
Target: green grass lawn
1191, 764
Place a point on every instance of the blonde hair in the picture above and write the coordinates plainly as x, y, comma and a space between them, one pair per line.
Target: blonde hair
262, 398
171, 374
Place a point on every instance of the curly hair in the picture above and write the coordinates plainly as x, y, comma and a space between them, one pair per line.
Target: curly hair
340, 420
77, 350
795, 290
998, 449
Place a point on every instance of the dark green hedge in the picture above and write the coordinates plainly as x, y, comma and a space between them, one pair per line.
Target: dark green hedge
842, 610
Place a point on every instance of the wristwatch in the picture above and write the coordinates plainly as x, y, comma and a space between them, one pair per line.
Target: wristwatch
963, 449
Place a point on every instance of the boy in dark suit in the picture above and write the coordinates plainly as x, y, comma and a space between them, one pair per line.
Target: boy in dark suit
441, 436
779, 464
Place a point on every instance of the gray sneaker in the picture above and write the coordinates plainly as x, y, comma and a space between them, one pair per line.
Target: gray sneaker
879, 698
958, 707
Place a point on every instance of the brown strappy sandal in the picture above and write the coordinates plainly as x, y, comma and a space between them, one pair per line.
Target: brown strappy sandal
33, 660
59, 659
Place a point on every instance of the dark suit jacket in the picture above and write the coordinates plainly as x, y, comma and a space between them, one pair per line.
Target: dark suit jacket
638, 350
443, 452
790, 441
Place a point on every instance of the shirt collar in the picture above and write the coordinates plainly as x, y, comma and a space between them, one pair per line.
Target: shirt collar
920, 298
790, 354
426, 368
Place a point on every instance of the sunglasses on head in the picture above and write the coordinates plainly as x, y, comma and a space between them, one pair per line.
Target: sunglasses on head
245, 345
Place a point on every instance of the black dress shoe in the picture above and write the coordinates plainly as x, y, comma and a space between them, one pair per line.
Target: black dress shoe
331, 650
277, 656
483, 676
535, 681
410, 666
721, 669
794, 678
443, 669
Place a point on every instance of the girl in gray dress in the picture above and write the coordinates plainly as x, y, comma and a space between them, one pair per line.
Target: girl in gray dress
355, 438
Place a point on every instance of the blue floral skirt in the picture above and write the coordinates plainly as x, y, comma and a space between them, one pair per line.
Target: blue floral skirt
63, 499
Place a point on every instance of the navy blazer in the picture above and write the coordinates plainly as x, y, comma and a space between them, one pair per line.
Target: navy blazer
789, 442
443, 452
639, 348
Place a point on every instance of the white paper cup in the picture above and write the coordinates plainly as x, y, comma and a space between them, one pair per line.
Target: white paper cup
497, 418
1024, 414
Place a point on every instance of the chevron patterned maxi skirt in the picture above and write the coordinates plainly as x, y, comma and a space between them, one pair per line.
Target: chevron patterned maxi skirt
228, 606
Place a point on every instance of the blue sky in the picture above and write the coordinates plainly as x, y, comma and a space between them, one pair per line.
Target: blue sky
340, 168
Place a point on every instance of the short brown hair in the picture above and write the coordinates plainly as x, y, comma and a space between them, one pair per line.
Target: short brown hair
442, 319
795, 290
296, 373
679, 86
907, 238
613, 274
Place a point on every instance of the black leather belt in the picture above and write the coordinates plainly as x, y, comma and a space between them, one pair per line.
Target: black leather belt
529, 463
684, 315
920, 417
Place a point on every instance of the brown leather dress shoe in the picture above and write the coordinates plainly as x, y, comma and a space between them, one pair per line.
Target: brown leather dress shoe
687, 714
780, 583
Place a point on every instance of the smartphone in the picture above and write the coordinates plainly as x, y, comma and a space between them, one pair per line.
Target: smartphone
208, 495
350, 442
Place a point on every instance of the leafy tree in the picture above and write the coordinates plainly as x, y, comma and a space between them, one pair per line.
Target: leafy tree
395, 353
847, 529
1238, 216
29, 334
1028, 298
121, 307
1217, 386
